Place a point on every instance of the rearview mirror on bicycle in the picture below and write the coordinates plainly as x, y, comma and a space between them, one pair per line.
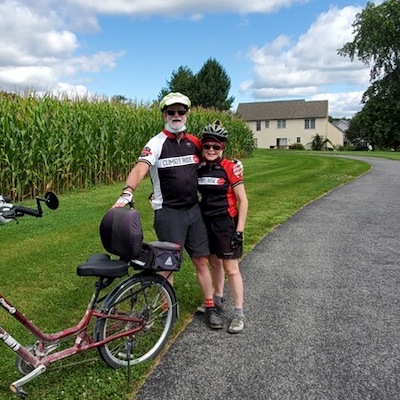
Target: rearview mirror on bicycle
10, 212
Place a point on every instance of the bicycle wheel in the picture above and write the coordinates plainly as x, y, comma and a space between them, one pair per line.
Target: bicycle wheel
150, 297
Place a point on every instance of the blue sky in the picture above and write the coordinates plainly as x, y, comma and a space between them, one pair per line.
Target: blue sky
270, 49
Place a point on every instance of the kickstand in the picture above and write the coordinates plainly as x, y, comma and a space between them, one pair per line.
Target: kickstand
129, 346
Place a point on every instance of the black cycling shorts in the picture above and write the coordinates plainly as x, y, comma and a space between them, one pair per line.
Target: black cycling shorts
185, 227
220, 232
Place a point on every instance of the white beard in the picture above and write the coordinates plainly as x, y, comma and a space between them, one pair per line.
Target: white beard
169, 128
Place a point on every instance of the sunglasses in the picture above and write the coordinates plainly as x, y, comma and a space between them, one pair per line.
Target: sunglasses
214, 146
172, 112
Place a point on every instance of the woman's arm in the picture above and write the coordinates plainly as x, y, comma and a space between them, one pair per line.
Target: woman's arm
242, 205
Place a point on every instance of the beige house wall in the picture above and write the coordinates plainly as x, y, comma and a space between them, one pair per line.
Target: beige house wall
335, 135
268, 137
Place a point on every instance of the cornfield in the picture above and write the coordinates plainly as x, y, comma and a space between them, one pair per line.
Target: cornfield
57, 144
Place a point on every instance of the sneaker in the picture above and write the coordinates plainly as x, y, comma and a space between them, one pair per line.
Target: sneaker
201, 309
214, 319
237, 325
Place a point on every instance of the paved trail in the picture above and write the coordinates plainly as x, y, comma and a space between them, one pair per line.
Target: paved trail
322, 307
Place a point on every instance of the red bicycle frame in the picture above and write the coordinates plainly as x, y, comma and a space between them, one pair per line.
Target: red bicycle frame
83, 341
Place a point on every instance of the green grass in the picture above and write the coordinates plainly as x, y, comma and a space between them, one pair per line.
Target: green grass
38, 259
391, 155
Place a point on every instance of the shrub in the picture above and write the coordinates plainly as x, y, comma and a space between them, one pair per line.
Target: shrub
297, 146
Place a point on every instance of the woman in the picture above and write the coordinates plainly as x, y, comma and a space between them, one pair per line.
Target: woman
224, 206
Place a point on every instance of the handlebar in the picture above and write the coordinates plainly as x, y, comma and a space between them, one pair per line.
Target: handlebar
9, 212
19, 211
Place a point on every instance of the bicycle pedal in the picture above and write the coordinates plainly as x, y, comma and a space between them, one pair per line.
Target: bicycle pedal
21, 393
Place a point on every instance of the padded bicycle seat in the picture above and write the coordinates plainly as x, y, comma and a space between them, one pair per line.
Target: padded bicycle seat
101, 265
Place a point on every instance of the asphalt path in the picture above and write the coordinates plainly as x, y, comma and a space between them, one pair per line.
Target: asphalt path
322, 303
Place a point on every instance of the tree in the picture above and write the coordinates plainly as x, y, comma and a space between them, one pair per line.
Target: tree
376, 43
182, 81
208, 88
319, 143
118, 98
379, 120
213, 84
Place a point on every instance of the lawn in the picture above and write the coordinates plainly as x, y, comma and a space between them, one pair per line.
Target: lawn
38, 259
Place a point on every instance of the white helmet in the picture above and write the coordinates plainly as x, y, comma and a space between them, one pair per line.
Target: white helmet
215, 131
175, 98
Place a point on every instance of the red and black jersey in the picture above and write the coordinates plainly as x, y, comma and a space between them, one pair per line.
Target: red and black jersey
216, 182
173, 169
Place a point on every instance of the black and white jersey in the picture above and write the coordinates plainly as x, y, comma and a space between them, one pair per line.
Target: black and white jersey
173, 169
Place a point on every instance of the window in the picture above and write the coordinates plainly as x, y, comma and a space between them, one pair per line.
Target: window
267, 124
281, 124
309, 123
258, 125
298, 140
282, 143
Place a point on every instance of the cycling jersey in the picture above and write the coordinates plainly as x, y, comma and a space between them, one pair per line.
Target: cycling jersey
215, 183
173, 169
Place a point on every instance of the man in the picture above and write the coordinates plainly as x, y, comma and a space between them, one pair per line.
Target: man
172, 158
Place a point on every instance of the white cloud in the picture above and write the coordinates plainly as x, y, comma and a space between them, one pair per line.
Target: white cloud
344, 104
21, 77
38, 50
72, 90
183, 7
40, 47
311, 65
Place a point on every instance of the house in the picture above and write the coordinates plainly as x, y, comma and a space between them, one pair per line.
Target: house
342, 124
281, 124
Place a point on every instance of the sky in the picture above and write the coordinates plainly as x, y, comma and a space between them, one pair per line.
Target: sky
270, 49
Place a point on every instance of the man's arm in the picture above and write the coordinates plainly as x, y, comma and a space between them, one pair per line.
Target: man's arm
137, 174
238, 167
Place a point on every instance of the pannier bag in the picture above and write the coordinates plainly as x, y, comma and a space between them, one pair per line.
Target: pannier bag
159, 256
121, 232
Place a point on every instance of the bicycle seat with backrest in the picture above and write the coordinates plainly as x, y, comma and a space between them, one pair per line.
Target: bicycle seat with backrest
121, 232
122, 235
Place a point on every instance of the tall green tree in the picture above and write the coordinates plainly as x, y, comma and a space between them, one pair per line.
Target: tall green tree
213, 85
376, 43
376, 40
209, 88
183, 80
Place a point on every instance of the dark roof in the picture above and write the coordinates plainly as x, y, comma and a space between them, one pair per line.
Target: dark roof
291, 109
342, 124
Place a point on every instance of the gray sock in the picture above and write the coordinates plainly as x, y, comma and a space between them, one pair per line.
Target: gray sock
239, 312
218, 301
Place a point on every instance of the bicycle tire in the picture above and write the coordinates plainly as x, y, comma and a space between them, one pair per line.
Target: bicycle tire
148, 296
